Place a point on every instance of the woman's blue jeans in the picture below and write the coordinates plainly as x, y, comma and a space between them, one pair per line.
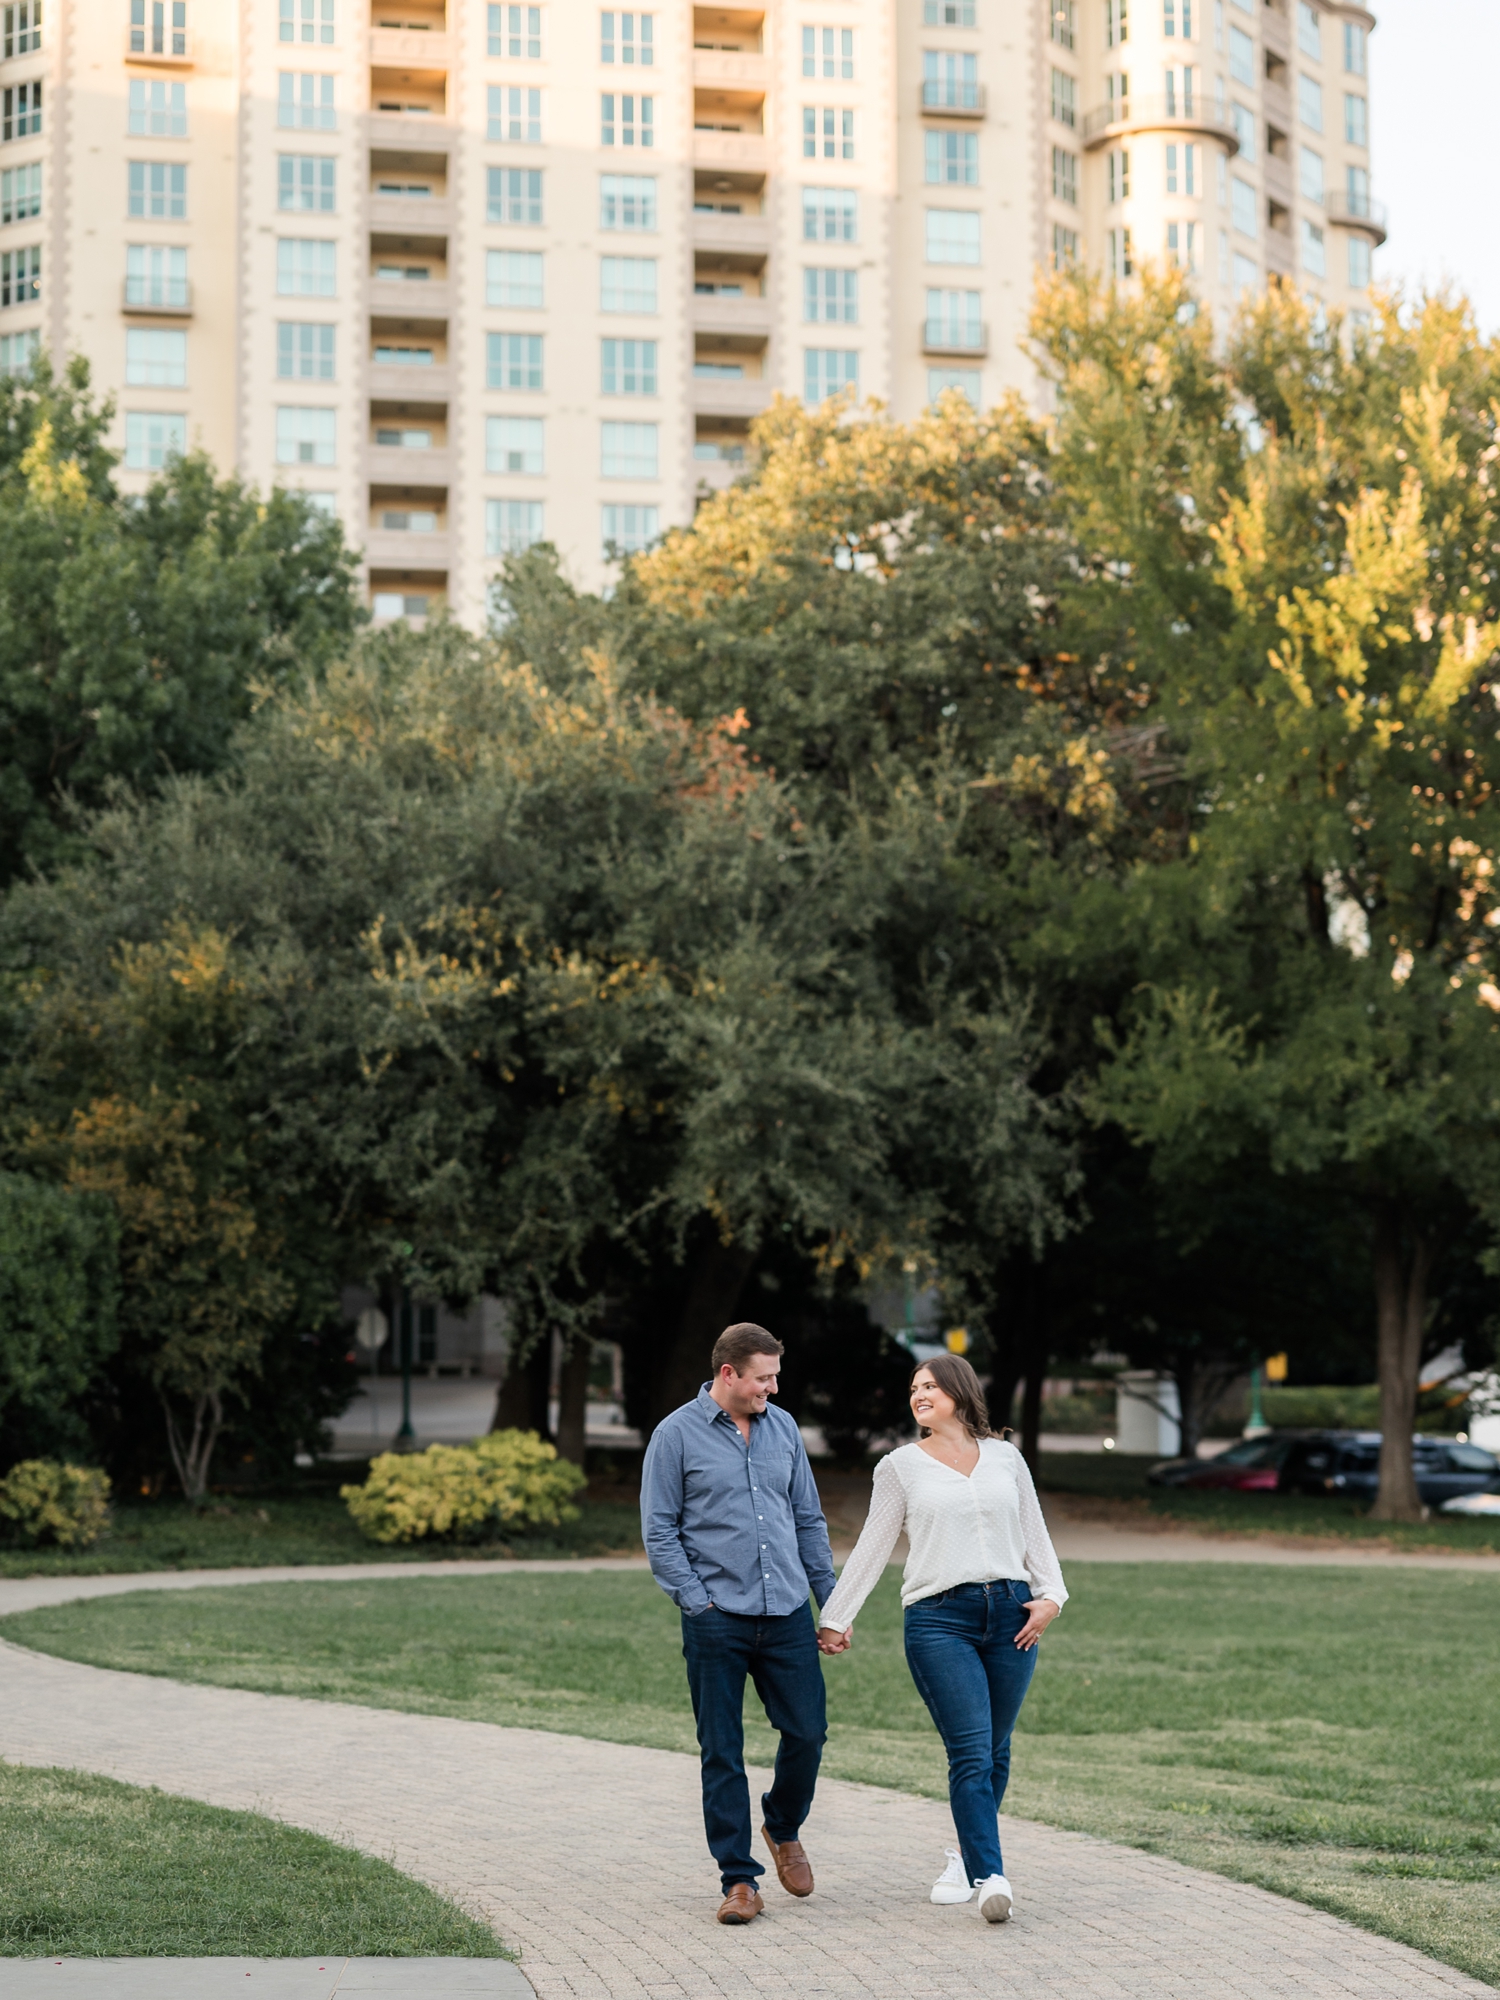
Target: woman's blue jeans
960, 1646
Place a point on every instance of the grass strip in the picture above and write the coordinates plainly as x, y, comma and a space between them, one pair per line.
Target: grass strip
97, 1869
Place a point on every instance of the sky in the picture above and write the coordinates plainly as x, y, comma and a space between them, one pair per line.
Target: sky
1433, 65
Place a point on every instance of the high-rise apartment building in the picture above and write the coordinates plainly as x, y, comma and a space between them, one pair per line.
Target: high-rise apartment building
478, 274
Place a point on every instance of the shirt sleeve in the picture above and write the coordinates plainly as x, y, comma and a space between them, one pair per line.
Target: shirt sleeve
1042, 1567
883, 1525
812, 1529
661, 1522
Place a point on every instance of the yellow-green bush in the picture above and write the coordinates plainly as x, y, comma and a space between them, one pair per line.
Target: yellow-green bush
465, 1493
42, 1501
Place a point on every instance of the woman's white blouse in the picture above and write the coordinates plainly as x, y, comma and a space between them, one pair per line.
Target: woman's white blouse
961, 1530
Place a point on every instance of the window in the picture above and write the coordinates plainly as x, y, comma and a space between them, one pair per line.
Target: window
150, 440
635, 123
155, 275
304, 269
1116, 23
828, 370
1310, 102
951, 158
405, 190
1182, 245
1064, 247
304, 101
306, 21
515, 113
1357, 190
1356, 121
828, 52
1186, 78
1117, 258
21, 193
627, 284
952, 236
950, 82
1064, 175
20, 275
1245, 130
410, 521
635, 40
628, 530
627, 201
405, 440
627, 367
1356, 58
1064, 98
155, 358
1223, 187
1309, 31
21, 30
515, 32
511, 526
404, 356
399, 604
948, 13
515, 195
827, 133
515, 444
21, 109
953, 320
19, 350
1117, 176
628, 451
1241, 56
513, 278
304, 353
303, 181
1064, 22
1246, 273
1314, 250
1175, 11
513, 361
1185, 179
1243, 207
158, 27
830, 295
1224, 265
965, 380
1310, 174
830, 215
1359, 262
1117, 94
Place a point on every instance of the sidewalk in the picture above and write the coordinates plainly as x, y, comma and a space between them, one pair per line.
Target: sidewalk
268, 1978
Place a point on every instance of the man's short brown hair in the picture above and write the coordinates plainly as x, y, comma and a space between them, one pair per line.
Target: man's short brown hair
736, 1344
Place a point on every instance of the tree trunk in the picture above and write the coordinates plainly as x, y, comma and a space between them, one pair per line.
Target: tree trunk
1401, 1270
524, 1393
1200, 1389
573, 1398
192, 1455
1031, 1402
717, 1278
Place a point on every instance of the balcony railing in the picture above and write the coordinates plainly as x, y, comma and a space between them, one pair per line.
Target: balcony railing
1356, 211
1146, 114
953, 97
158, 45
158, 295
946, 336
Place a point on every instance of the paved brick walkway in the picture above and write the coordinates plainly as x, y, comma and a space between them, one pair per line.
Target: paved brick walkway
589, 1857
269, 1978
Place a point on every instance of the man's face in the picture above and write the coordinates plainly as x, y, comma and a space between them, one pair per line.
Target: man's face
745, 1395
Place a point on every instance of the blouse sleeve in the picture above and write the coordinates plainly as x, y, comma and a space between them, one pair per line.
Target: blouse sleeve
883, 1524
1042, 1566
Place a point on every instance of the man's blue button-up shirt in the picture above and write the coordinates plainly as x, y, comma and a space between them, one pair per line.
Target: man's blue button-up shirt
733, 1525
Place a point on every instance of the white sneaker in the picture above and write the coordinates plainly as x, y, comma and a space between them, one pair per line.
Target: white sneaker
952, 1886
994, 1899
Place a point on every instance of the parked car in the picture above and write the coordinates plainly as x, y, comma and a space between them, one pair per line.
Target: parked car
1473, 1503
1348, 1462
1251, 1466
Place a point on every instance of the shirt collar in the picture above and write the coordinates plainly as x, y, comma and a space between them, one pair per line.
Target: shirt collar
713, 1411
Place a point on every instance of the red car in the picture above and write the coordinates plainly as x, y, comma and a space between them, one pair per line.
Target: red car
1252, 1466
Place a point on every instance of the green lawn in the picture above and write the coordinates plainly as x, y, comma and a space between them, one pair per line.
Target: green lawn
1333, 1735
95, 1869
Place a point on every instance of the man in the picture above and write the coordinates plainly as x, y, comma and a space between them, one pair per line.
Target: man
735, 1534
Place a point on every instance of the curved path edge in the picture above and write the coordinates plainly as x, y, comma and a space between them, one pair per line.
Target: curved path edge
589, 1857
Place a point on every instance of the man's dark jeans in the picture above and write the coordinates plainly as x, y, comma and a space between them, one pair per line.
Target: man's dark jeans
781, 1657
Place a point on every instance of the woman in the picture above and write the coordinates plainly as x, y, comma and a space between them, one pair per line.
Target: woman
981, 1586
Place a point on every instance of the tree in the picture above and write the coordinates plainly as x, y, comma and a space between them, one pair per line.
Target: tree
58, 1291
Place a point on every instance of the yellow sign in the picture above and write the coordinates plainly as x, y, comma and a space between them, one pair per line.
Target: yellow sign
957, 1342
1275, 1367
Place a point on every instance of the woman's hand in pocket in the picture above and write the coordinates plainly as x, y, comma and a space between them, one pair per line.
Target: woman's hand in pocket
1040, 1613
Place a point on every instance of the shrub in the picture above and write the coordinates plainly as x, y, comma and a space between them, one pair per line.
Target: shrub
42, 1501
465, 1493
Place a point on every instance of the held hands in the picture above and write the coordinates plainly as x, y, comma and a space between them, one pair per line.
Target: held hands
1041, 1612
830, 1641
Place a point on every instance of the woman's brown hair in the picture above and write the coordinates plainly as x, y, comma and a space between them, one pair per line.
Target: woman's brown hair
957, 1379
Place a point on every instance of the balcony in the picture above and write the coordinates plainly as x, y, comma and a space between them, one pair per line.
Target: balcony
1281, 261
714, 475
729, 69
1357, 211
729, 396
745, 317
1276, 33
161, 298
411, 215
406, 131
392, 465
390, 549
1278, 178
396, 382
416, 48
734, 235
400, 298
1158, 114
1276, 101
942, 336
944, 98
162, 48
730, 152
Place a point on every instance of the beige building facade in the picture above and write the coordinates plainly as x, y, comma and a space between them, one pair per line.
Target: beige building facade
478, 275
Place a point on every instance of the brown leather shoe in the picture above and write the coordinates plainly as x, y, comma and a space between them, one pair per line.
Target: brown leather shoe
742, 1901
793, 1869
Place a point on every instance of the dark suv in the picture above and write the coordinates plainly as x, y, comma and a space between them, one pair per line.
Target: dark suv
1349, 1462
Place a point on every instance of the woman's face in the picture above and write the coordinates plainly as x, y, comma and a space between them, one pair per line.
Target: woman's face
929, 1404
